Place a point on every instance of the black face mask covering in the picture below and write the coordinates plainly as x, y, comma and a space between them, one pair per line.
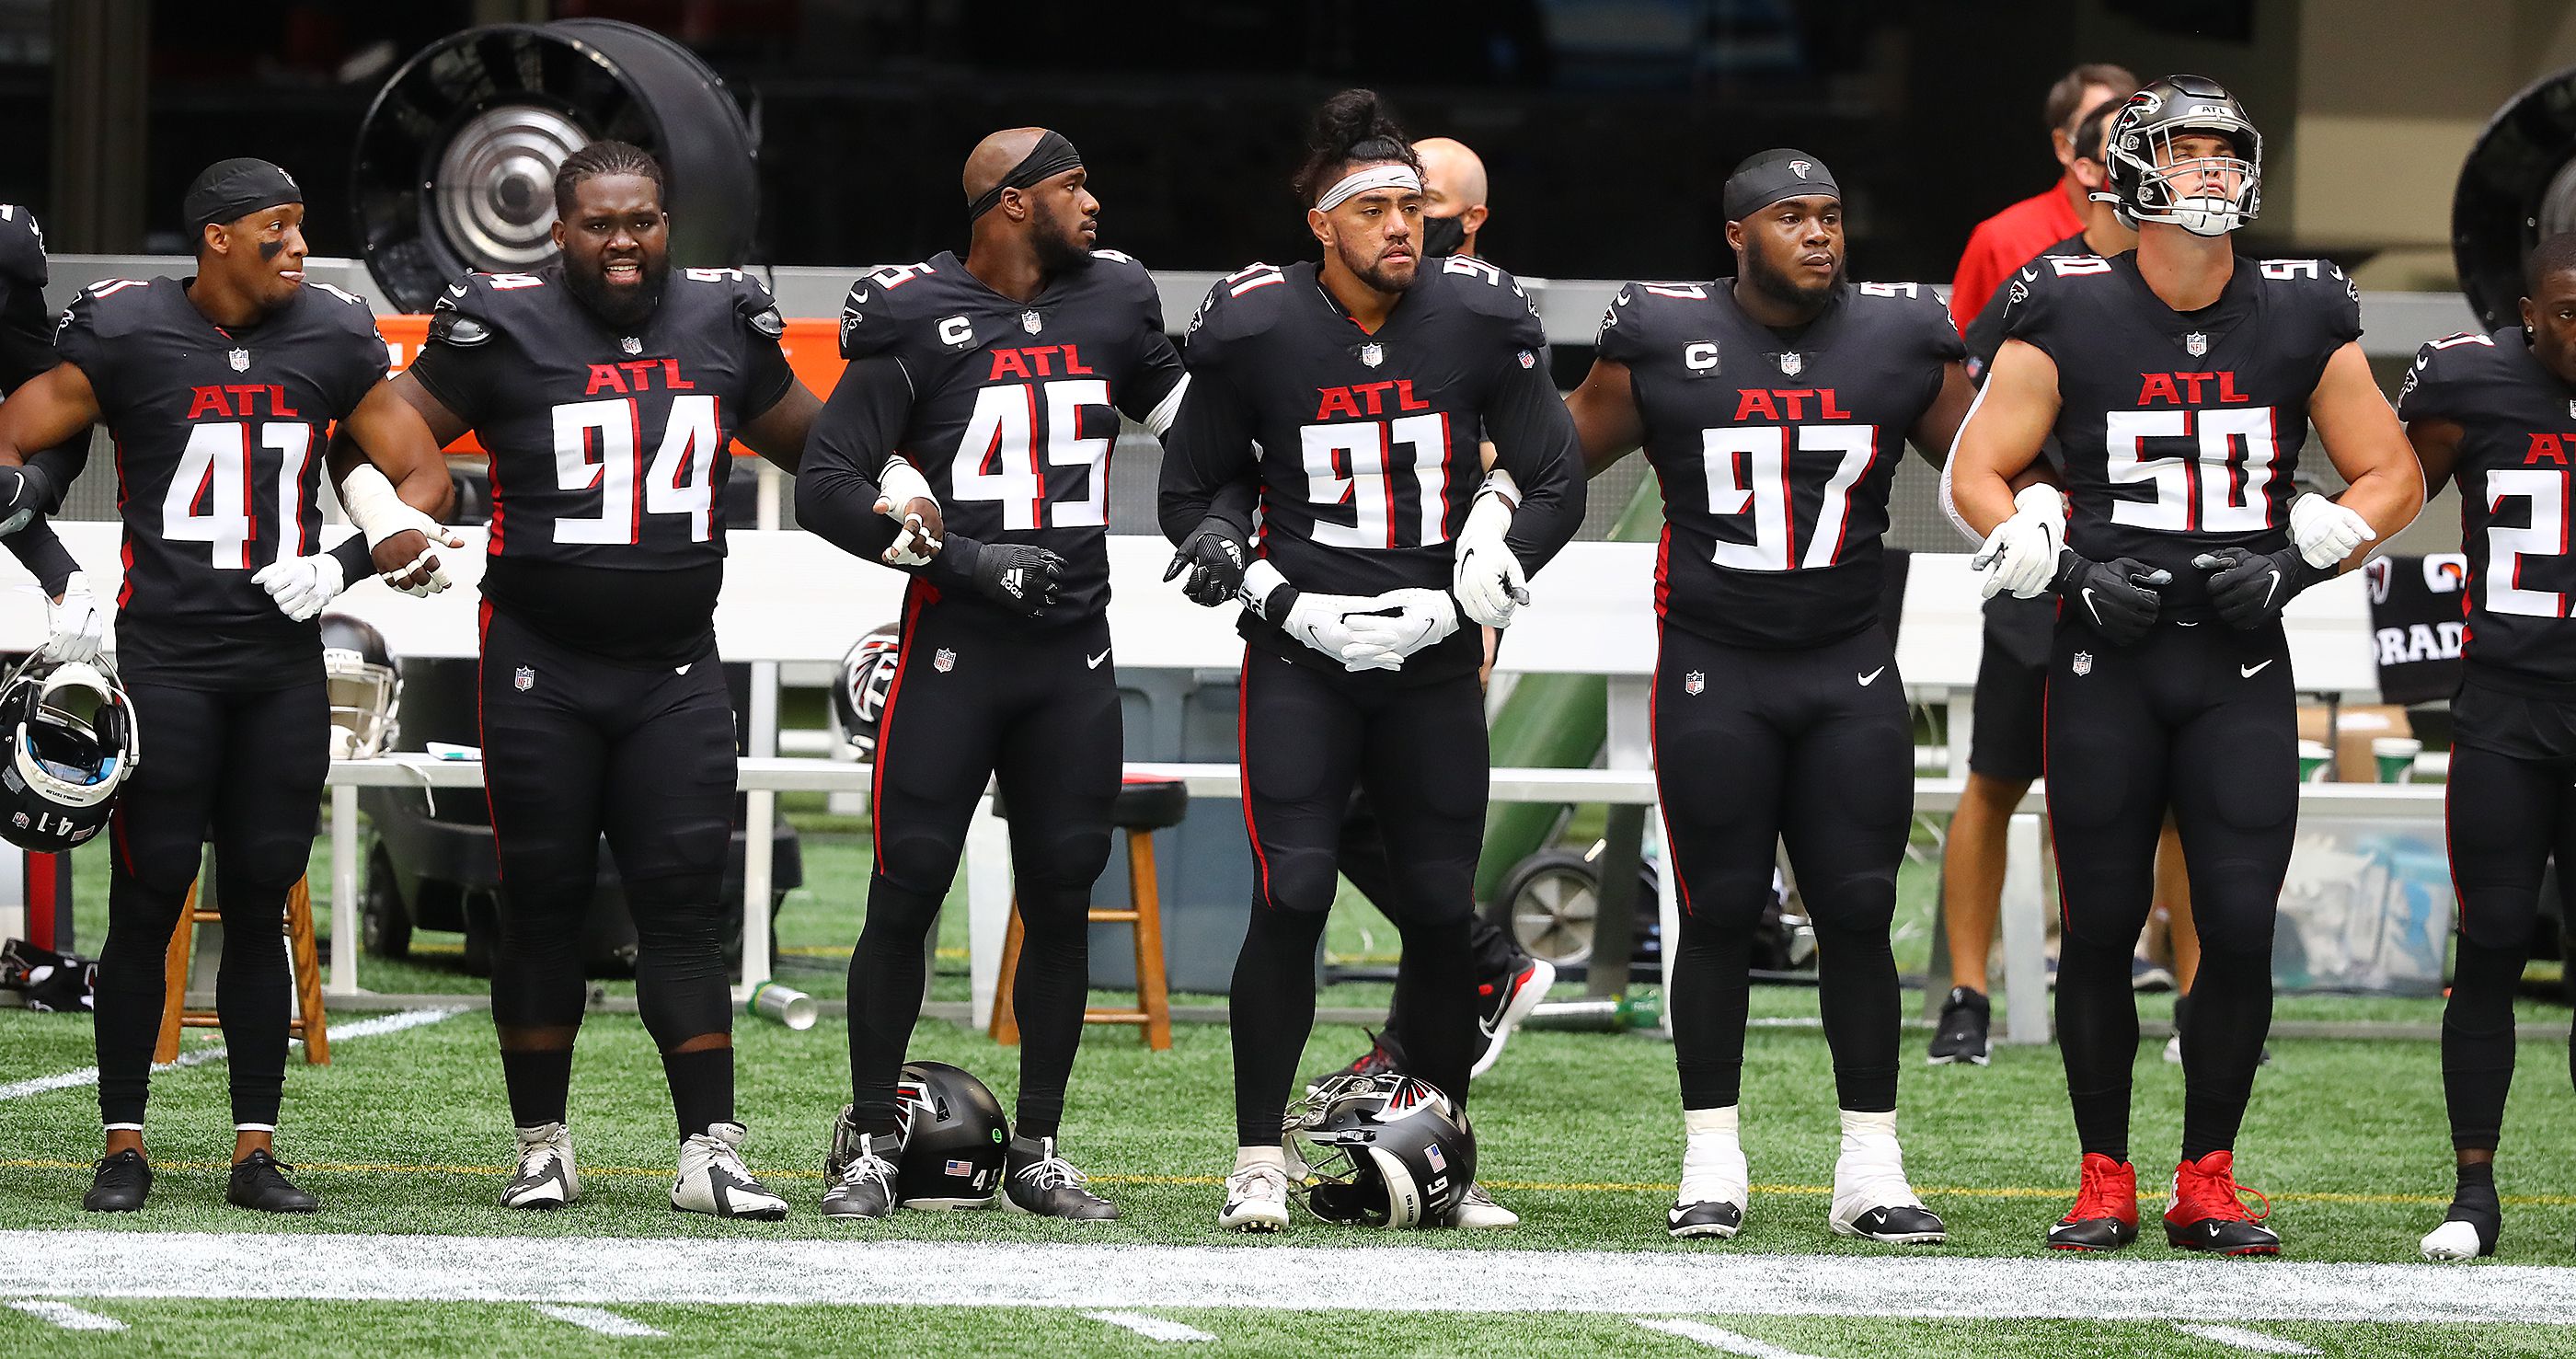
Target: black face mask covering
1443, 235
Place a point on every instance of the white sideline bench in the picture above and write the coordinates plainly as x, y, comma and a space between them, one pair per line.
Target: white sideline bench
792, 598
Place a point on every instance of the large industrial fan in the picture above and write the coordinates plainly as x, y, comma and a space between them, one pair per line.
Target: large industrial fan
456, 159
2518, 186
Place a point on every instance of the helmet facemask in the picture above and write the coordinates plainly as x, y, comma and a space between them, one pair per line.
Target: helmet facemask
2152, 182
365, 697
71, 744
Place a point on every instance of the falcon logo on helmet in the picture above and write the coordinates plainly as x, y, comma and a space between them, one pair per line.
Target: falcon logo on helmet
2152, 182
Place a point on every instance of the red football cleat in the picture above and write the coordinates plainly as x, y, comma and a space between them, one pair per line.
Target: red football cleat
2207, 1212
2105, 1215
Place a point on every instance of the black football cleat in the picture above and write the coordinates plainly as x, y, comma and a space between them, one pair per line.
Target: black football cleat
119, 1184
2208, 1214
259, 1183
1961, 1034
2105, 1215
1708, 1217
1037, 1181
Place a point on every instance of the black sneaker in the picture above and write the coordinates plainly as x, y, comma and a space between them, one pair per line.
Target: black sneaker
259, 1183
1377, 1061
1961, 1036
119, 1184
1037, 1181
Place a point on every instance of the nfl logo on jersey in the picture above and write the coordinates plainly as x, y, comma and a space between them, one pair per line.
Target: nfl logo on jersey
2195, 344
240, 360
1031, 322
1791, 364
526, 679
1372, 355
945, 661
631, 344
1693, 682
2083, 663
1528, 359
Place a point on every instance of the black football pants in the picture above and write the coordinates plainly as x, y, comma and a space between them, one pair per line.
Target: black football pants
575, 747
1369, 862
1035, 709
243, 770
2198, 719
1308, 737
1812, 749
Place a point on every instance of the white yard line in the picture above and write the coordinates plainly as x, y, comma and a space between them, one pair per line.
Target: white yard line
1152, 1328
68, 1317
593, 1319
1088, 1275
2244, 1339
364, 1028
1717, 1338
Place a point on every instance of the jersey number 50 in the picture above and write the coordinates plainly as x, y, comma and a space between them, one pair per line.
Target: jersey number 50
2222, 485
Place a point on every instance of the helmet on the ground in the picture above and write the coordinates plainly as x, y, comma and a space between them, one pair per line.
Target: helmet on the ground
1383, 1151
859, 693
365, 683
72, 745
954, 1138
2145, 172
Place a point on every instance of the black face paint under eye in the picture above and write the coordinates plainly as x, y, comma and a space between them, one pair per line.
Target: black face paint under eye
269, 250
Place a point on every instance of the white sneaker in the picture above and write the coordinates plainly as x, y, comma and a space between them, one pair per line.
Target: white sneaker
1256, 1199
1716, 1188
546, 1178
1505, 1003
2455, 1241
1872, 1198
1477, 1212
714, 1181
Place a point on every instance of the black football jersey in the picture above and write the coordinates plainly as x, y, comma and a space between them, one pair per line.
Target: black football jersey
1775, 453
26, 324
1015, 405
1369, 442
2518, 438
219, 442
610, 447
2181, 431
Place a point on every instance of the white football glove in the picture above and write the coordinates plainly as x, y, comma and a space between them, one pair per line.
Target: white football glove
902, 484
2021, 554
1425, 617
79, 624
1359, 631
1487, 575
300, 586
2324, 531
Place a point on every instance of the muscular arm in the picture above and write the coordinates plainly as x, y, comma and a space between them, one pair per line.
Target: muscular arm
1938, 430
2368, 447
2000, 438
780, 433
41, 428
2437, 450
1606, 419
391, 430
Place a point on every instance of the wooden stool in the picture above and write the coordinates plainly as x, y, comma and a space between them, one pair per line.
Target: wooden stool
1144, 806
309, 1024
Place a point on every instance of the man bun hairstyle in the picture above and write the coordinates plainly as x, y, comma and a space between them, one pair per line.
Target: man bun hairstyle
1355, 127
606, 158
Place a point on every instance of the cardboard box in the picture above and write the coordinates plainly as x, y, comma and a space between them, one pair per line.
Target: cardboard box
2356, 727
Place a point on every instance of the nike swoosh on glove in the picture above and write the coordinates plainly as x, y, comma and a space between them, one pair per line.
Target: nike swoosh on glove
2119, 597
2249, 589
1486, 574
1360, 631
300, 586
1214, 557
79, 624
2020, 556
1426, 618
2325, 532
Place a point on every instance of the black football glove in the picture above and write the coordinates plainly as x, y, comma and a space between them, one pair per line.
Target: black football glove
1214, 556
2118, 597
1017, 576
2249, 589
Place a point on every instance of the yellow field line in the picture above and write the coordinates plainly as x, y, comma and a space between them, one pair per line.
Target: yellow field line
1510, 1186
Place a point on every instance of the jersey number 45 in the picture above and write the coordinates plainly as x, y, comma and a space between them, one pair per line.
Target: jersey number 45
997, 460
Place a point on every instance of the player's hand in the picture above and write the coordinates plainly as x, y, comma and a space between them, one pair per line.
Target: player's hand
407, 562
1214, 557
300, 586
2325, 532
79, 625
1019, 577
1360, 631
2120, 597
2249, 589
1426, 617
908, 502
24, 494
1486, 574
2020, 556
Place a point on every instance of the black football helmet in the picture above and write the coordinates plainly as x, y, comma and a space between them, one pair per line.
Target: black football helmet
48, 981
1382, 1151
72, 744
859, 695
2144, 171
952, 1134
365, 683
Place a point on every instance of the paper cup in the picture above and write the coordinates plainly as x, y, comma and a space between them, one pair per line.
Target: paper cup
2395, 756
2316, 762
790, 1007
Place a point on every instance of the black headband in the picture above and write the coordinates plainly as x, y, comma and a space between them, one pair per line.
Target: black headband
1052, 156
231, 188
1779, 173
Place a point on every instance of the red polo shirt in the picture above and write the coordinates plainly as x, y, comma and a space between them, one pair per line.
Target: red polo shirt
2005, 242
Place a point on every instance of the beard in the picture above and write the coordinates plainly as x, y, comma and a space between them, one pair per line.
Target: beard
1386, 276
620, 306
1059, 248
1785, 288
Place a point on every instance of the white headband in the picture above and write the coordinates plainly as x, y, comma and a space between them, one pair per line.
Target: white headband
1357, 182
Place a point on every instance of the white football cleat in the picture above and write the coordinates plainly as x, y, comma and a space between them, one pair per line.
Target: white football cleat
1256, 1199
1872, 1198
2455, 1241
1477, 1212
1716, 1187
714, 1181
546, 1178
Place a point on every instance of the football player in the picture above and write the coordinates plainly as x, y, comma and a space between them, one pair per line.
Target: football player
607, 388
1363, 379
1774, 406
968, 443
26, 352
2180, 381
2493, 413
220, 390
